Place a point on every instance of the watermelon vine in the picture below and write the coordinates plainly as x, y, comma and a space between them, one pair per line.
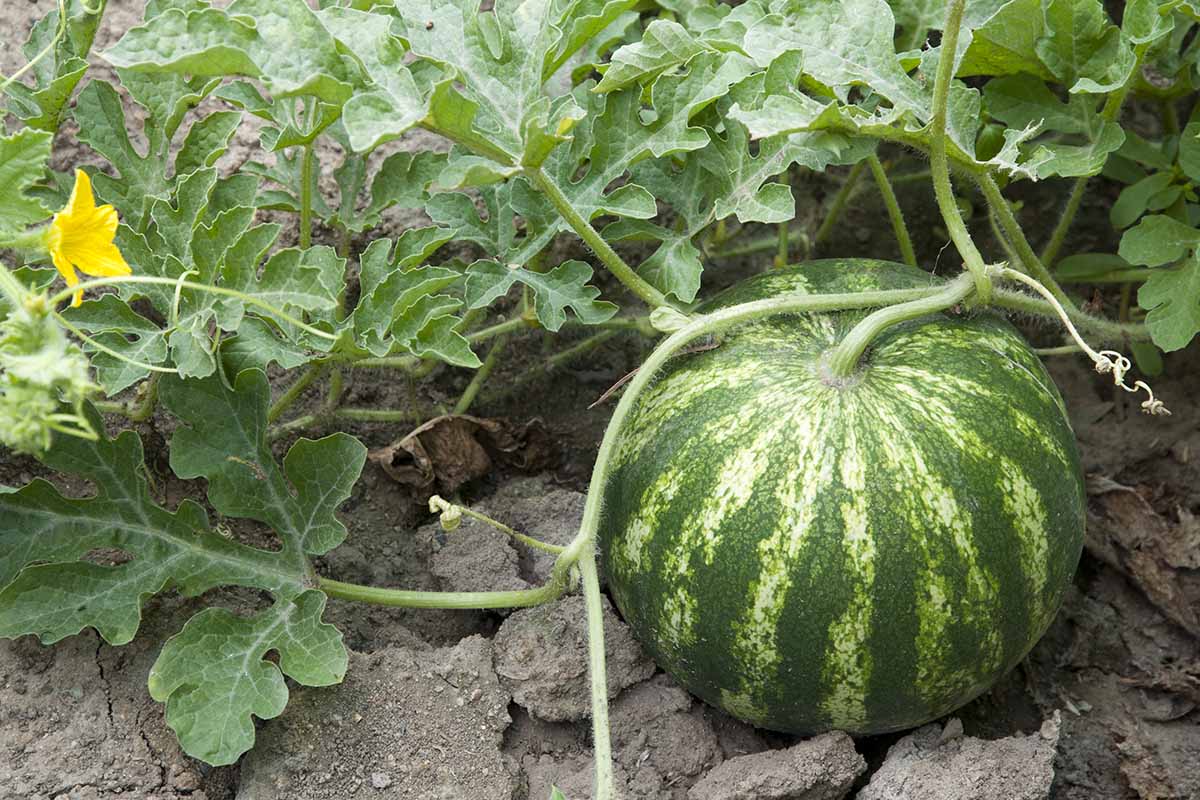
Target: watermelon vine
857, 443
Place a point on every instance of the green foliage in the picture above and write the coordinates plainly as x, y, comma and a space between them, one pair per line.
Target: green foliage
63, 44
23, 158
675, 128
1172, 297
213, 674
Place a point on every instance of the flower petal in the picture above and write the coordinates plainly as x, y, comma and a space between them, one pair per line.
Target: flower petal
64, 267
82, 200
81, 237
100, 259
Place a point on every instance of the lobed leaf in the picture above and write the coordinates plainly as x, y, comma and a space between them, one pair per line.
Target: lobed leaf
1157, 240
58, 66
1082, 49
23, 157
212, 675
843, 45
1172, 299
242, 39
561, 288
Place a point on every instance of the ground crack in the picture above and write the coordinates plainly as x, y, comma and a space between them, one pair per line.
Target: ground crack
104, 680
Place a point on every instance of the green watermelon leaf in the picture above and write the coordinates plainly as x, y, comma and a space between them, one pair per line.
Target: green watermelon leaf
238, 40
565, 286
1082, 49
1172, 298
51, 587
845, 44
23, 157
143, 179
62, 64
1157, 240
663, 46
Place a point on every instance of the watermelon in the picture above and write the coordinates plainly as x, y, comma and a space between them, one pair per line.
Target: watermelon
864, 553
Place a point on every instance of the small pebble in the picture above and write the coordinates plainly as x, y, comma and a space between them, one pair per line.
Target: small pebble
380, 780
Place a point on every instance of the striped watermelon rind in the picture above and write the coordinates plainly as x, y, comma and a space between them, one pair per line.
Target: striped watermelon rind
864, 556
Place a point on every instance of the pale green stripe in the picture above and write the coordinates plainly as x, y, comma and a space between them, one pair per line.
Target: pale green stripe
848, 663
737, 477
1027, 509
928, 501
808, 474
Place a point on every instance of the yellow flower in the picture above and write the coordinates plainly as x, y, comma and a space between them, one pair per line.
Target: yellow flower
81, 237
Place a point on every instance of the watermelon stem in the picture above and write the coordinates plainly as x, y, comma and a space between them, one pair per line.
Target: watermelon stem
842, 361
451, 513
1097, 327
603, 250
895, 213
1027, 259
840, 201
939, 165
601, 738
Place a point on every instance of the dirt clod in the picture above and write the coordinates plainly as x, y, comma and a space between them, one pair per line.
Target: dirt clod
76, 721
539, 508
473, 558
541, 657
935, 763
822, 768
654, 724
404, 724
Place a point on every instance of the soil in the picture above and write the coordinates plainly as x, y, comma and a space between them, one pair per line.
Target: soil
474, 705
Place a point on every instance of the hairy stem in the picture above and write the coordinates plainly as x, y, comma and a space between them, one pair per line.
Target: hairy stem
307, 157
12, 288
1101, 329
293, 392
745, 247
939, 164
550, 364
93, 343
603, 250
601, 743
499, 329
1061, 350
145, 409
895, 214
782, 246
843, 360
1001, 239
1059, 235
1016, 237
404, 598
377, 414
249, 299
442, 506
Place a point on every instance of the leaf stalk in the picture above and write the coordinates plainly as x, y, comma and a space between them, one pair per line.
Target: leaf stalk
603, 250
939, 165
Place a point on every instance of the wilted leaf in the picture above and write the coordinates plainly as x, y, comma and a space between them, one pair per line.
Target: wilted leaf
446, 452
